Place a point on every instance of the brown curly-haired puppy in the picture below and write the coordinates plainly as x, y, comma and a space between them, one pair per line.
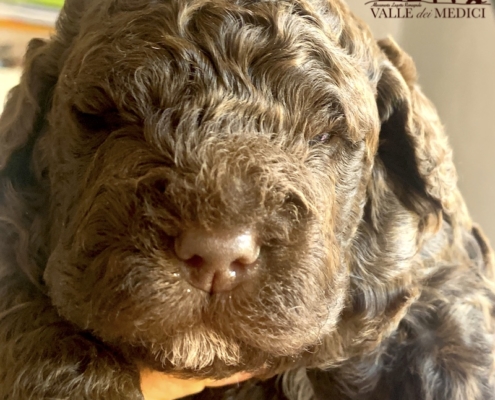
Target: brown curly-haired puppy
208, 187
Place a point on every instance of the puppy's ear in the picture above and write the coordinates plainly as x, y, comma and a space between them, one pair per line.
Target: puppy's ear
23, 118
23, 169
413, 149
23, 194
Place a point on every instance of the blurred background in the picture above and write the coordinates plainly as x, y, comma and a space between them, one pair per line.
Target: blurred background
455, 60
20, 20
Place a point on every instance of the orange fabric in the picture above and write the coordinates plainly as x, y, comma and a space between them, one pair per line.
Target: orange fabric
25, 27
160, 386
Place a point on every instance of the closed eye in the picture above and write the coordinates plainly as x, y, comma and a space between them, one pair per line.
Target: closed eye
106, 121
322, 138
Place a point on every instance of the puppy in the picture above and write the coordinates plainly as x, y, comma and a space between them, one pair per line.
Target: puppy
207, 188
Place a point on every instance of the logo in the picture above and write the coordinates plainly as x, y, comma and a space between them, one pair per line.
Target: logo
429, 9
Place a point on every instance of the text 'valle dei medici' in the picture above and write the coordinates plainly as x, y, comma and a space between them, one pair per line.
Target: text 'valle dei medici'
448, 9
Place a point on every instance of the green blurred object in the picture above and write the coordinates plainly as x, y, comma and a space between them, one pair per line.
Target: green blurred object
41, 3
48, 3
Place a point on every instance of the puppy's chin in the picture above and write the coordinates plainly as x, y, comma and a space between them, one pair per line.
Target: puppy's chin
201, 353
229, 336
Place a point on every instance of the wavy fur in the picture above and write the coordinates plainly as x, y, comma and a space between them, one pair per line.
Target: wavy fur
140, 119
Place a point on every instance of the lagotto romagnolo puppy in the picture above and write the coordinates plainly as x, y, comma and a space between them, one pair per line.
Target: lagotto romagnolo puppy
212, 187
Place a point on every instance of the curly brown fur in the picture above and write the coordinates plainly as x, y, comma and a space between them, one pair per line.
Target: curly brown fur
141, 119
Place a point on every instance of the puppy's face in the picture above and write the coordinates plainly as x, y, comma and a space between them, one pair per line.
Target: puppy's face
181, 126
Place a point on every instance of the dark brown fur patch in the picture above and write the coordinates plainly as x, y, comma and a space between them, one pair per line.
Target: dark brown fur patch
140, 120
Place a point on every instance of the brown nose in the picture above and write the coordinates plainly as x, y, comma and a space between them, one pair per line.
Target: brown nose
217, 261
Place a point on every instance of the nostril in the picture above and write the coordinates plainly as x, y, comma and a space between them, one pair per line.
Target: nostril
195, 262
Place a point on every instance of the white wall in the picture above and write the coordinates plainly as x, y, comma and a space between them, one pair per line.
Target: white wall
8, 78
456, 65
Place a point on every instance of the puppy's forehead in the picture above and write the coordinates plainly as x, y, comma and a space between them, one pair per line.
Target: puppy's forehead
241, 57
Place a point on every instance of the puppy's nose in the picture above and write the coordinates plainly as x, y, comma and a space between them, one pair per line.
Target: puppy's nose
217, 261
